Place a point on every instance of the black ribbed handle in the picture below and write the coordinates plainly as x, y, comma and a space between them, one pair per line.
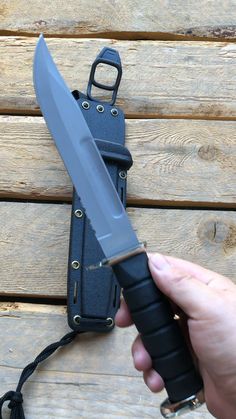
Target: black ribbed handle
160, 333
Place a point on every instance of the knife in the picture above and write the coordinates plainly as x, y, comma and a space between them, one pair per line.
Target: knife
149, 308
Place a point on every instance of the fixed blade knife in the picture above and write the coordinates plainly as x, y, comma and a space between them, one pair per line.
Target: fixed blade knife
149, 308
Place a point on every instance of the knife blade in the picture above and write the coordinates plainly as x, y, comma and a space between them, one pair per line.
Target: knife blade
150, 310
89, 176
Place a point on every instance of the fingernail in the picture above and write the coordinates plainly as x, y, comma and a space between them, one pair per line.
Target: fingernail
159, 262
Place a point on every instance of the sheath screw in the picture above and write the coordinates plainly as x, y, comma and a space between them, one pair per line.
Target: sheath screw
110, 322
77, 319
100, 108
123, 174
114, 112
75, 264
85, 105
78, 213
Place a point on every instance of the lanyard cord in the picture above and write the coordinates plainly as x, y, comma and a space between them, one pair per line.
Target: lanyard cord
15, 397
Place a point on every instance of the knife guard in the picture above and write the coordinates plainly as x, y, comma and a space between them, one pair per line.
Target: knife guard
161, 335
93, 295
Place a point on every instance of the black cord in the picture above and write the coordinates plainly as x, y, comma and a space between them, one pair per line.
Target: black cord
15, 397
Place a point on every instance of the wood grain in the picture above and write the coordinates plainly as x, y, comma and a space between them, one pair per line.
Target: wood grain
121, 19
175, 162
93, 377
34, 243
174, 79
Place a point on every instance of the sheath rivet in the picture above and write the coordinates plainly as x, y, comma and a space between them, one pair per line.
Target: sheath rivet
78, 213
77, 319
123, 174
114, 112
110, 322
85, 105
75, 264
100, 108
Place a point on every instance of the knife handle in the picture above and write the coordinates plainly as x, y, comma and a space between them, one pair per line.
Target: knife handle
161, 335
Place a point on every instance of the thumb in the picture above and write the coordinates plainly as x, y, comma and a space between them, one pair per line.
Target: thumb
180, 285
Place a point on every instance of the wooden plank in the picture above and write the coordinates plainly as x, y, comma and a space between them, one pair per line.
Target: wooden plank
122, 19
171, 79
93, 376
175, 162
34, 243
52, 324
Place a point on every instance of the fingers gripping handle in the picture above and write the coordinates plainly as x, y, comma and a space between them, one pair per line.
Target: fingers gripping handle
160, 333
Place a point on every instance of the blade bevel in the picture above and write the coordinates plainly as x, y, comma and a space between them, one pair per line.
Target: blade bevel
81, 157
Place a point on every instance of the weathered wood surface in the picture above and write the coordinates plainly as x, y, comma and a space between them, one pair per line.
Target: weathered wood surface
175, 161
91, 378
174, 79
121, 19
34, 243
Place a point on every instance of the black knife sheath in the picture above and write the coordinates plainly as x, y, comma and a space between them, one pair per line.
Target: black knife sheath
94, 294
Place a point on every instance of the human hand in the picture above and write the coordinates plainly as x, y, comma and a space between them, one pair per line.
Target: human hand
208, 300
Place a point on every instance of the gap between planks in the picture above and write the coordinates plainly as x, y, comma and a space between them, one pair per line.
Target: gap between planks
124, 36
132, 203
100, 374
147, 116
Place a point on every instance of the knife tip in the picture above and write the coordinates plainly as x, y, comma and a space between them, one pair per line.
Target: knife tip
41, 39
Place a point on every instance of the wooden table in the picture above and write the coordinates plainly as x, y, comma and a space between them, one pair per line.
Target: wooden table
178, 92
